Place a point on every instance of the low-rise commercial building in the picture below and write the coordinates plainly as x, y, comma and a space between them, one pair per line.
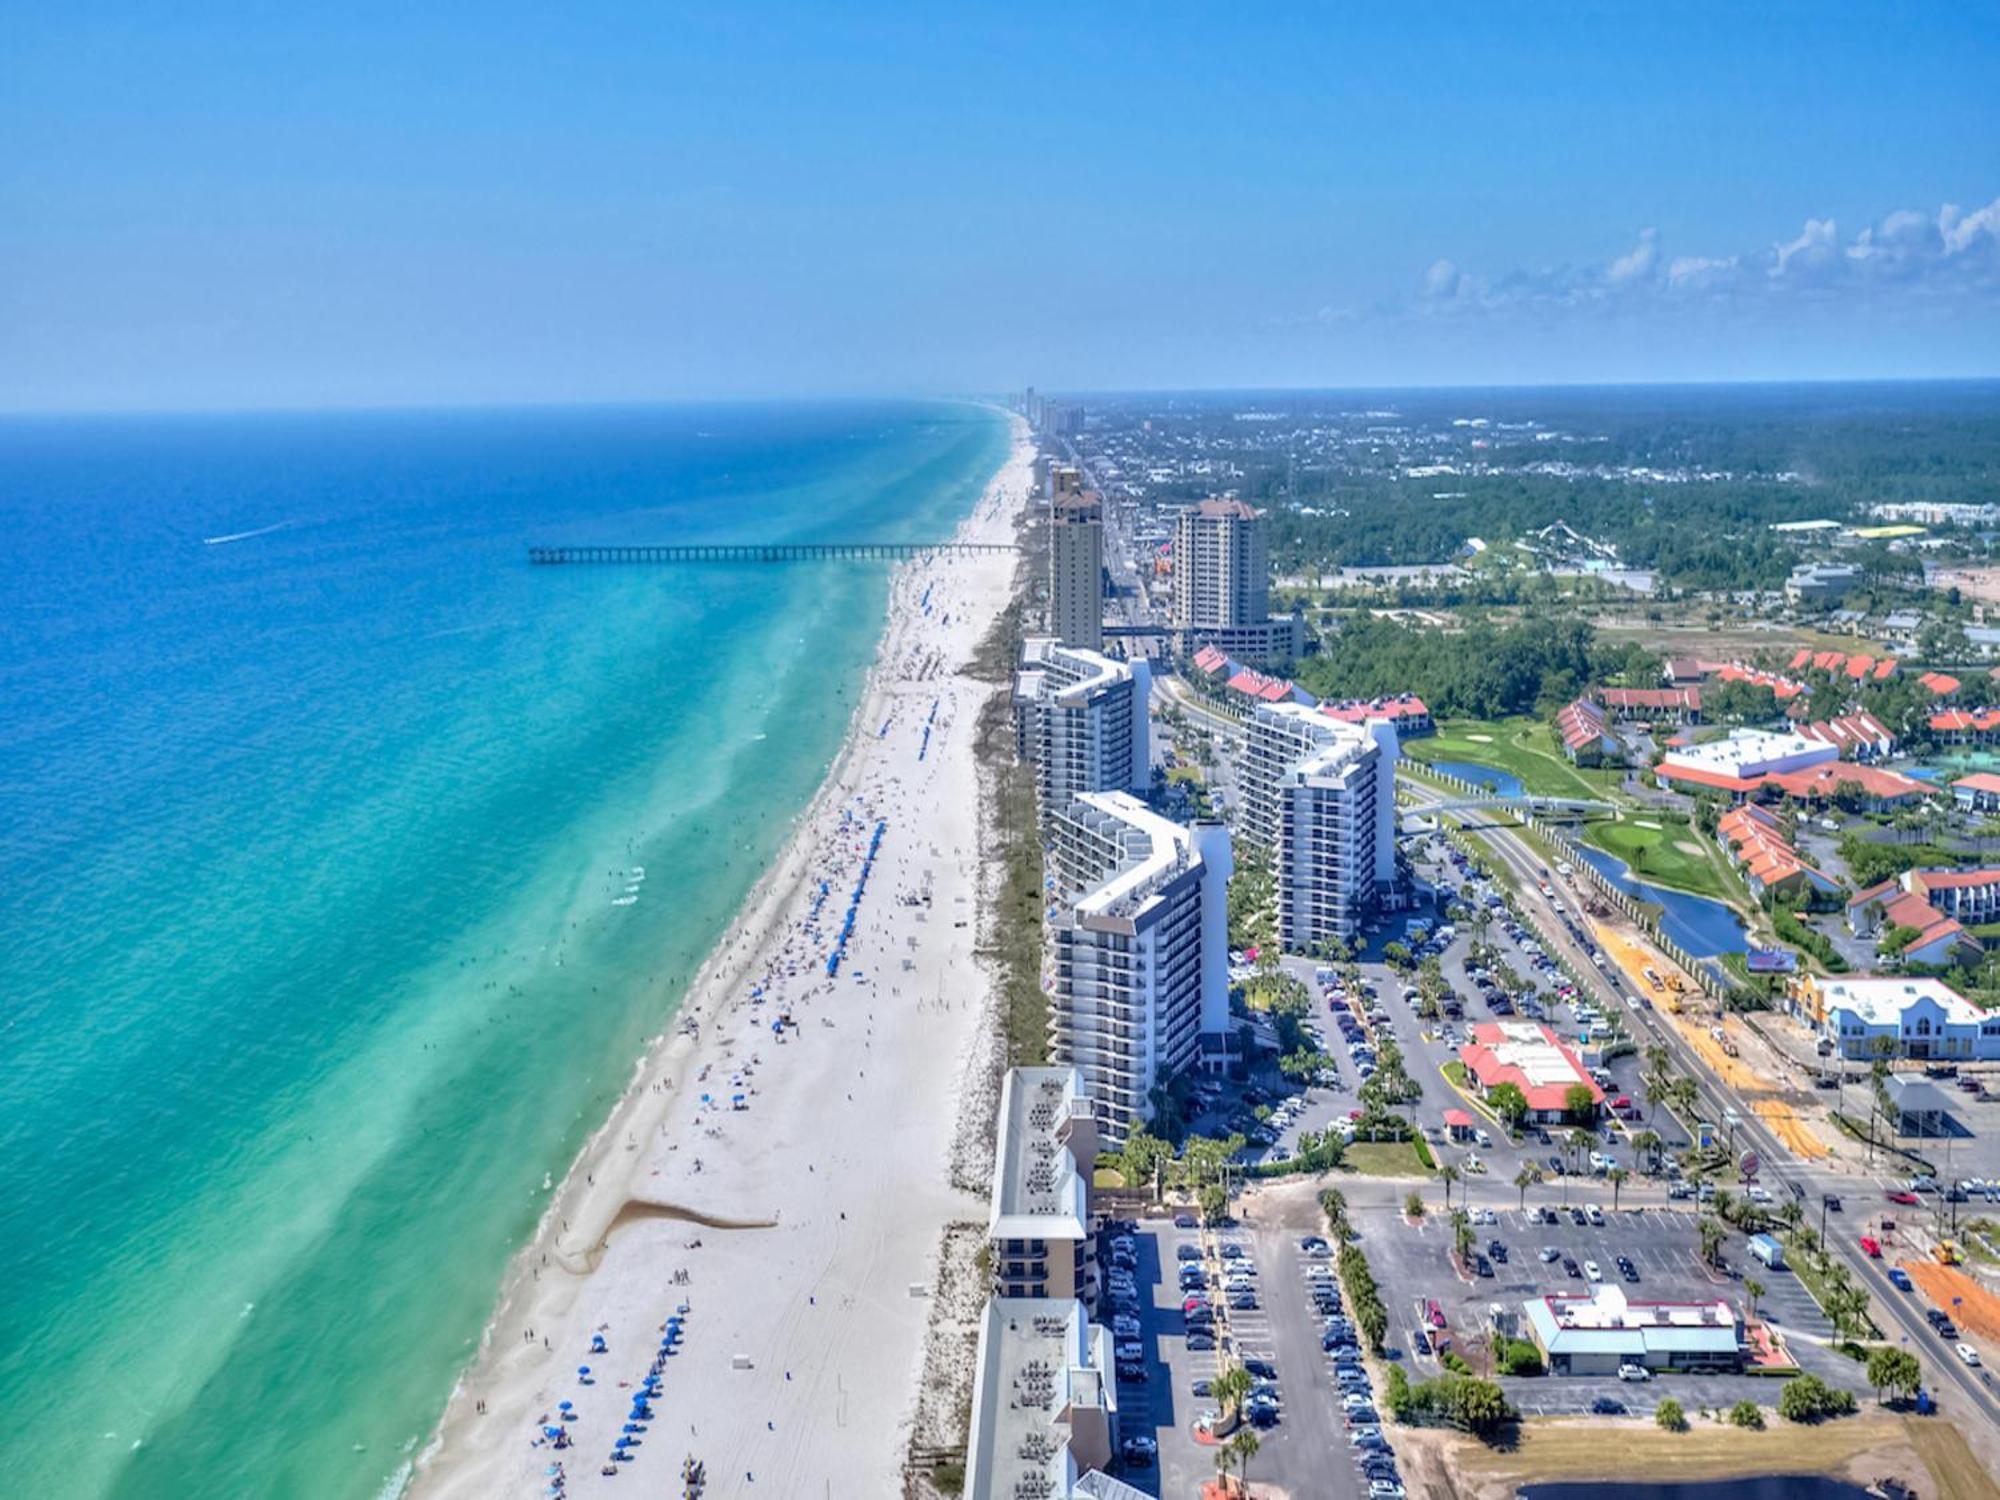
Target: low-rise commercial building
1139, 949
1594, 1333
1821, 583
1585, 739
1528, 1055
1872, 1015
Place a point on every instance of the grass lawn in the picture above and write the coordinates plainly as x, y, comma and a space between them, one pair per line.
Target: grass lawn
1656, 854
1384, 1159
1593, 1448
1522, 747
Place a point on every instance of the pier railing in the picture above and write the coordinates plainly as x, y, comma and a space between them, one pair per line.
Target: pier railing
760, 552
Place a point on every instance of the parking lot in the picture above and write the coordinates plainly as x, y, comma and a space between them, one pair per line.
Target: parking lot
1295, 1408
1415, 1264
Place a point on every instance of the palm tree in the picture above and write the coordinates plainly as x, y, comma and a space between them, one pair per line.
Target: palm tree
1647, 1143
1580, 1141
1526, 1178
1722, 1203
1753, 1289
1616, 1177
1448, 1174
1245, 1446
1792, 1214
1656, 1061
1711, 1238
1229, 1388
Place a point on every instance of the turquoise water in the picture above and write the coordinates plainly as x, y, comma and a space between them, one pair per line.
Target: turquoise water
1500, 783
1702, 927
310, 845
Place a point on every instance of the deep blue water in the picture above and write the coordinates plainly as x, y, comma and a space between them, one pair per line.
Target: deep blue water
315, 802
1703, 927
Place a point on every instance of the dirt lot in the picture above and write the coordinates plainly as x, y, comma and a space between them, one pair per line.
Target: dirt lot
1926, 1452
1978, 1311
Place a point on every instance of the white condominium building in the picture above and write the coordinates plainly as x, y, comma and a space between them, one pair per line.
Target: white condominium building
1080, 719
1222, 566
1044, 1406
1139, 938
1038, 1224
1076, 570
1320, 794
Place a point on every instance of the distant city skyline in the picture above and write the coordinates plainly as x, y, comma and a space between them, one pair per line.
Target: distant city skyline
206, 210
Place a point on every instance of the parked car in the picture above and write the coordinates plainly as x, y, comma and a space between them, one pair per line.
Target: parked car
1139, 1449
1634, 1373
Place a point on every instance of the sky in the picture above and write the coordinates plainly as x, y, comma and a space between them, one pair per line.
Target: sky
209, 206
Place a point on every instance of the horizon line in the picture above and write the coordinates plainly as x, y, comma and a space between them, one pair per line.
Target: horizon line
615, 403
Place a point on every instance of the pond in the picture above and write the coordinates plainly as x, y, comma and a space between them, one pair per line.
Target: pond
1703, 927
1501, 783
1763, 1487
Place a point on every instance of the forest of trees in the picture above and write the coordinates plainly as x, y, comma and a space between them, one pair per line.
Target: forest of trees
1484, 671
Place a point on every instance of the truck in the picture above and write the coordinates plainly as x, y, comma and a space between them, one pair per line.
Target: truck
1767, 1249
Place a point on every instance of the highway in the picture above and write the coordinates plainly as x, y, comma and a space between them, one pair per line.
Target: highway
1897, 1313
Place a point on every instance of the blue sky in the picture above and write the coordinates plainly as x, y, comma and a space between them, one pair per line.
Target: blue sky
282, 205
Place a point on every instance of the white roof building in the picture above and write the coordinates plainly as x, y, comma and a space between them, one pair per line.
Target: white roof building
1044, 1401
1746, 753
1923, 1018
1594, 1333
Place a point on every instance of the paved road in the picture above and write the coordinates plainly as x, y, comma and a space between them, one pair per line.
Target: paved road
1898, 1313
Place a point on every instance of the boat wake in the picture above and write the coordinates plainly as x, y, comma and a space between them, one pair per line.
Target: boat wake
244, 536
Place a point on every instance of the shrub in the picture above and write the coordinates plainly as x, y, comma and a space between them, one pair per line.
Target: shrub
1414, 1205
1670, 1416
1517, 1357
1746, 1414
1453, 1361
1398, 1394
1808, 1399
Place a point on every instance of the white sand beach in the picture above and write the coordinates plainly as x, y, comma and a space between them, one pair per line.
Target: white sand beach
781, 1165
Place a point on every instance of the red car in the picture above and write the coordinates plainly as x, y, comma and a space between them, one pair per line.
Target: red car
1904, 1197
1871, 1247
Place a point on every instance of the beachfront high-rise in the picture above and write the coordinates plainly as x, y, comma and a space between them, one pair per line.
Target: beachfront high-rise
1320, 795
1076, 569
1139, 935
1080, 720
1222, 584
1044, 1405
1038, 1219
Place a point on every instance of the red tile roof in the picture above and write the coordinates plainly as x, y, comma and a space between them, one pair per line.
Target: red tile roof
1783, 687
1826, 779
1487, 1066
1980, 781
1355, 710
1983, 720
1940, 684
1688, 698
1581, 724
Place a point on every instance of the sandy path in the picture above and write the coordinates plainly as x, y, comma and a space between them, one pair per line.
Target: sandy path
798, 1231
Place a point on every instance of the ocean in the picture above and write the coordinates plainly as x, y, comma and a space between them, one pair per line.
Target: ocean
347, 863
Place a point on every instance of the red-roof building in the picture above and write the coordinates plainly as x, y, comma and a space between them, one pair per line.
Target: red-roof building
1930, 910
1528, 1055
1860, 736
1966, 726
1211, 662
1784, 689
1258, 688
1756, 840
1940, 683
1877, 788
1682, 705
1406, 711
1580, 727
1979, 792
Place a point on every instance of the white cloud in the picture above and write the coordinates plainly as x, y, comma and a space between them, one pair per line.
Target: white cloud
1905, 254
1638, 263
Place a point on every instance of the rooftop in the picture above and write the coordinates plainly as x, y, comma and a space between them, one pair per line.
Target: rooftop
1881, 999
1526, 1054
1038, 1358
1039, 1187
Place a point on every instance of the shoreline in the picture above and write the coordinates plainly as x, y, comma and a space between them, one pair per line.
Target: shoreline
746, 1226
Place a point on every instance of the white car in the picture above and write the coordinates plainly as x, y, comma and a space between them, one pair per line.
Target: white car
1634, 1373
1355, 1401
1590, 1270
1594, 1214
1140, 1449
1967, 1353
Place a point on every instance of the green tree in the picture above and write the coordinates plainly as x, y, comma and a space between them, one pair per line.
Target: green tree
1448, 1174
1711, 1235
1616, 1177
1807, 1398
1746, 1413
1413, 1205
1894, 1372
1670, 1416
1579, 1102
1526, 1178
1229, 1388
1647, 1144
1509, 1103
1752, 1290
1244, 1445
1212, 1198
